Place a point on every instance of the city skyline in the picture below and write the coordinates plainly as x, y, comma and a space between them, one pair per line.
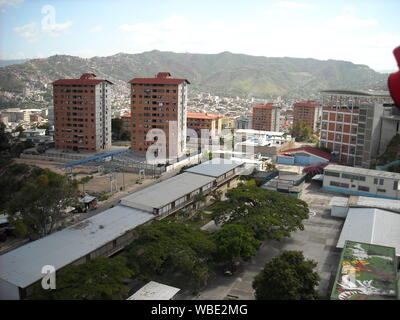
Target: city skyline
363, 32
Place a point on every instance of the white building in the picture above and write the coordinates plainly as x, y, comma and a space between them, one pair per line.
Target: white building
362, 182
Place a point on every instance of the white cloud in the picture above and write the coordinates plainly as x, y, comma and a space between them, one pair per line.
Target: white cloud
292, 5
348, 21
96, 29
10, 2
33, 32
27, 31
179, 34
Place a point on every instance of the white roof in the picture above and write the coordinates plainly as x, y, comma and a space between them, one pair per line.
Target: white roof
155, 291
259, 132
366, 172
339, 202
215, 167
373, 226
166, 191
387, 204
23, 265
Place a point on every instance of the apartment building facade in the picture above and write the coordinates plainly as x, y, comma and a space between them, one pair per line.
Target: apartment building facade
265, 117
82, 113
308, 112
159, 104
207, 121
351, 125
362, 182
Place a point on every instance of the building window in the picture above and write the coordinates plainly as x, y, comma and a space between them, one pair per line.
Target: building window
339, 184
381, 190
363, 188
395, 185
332, 174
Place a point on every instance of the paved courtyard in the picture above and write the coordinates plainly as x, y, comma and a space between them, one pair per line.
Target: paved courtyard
317, 241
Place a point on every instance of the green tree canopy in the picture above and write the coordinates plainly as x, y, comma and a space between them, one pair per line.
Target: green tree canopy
288, 276
235, 241
268, 214
162, 248
301, 131
116, 127
40, 201
98, 279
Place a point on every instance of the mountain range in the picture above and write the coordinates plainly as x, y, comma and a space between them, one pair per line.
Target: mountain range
225, 73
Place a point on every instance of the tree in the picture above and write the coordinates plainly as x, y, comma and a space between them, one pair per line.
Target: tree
268, 214
287, 277
40, 201
98, 279
116, 127
83, 181
125, 135
234, 241
163, 248
301, 131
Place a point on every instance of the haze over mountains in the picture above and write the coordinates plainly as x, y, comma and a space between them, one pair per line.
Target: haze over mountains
224, 74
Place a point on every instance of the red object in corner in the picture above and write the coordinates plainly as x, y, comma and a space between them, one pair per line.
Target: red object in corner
394, 80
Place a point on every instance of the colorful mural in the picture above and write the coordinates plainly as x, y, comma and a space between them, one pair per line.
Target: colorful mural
366, 272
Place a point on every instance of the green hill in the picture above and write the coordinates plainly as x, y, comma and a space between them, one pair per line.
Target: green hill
221, 74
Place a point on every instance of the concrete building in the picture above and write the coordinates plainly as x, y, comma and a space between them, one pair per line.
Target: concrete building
341, 205
372, 226
390, 126
351, 125
126, 122
82, 113
101, 235
287, 182
180, 191
243, 122
308, 112
302, 156
210, 122
155, 291
366, 272
266, 117
362, 182
159, 103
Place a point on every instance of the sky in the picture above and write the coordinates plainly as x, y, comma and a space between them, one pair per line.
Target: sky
360, 31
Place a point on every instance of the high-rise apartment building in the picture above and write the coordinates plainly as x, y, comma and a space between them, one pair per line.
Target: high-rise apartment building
265, 117
82, 113
159, 104
351, 125
308, 112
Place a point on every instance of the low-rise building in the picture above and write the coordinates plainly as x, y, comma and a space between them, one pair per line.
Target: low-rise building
372, 226
204, 121
366, 272
101, 235
302, 156
340, 205
155, 291
362, 182
180, 191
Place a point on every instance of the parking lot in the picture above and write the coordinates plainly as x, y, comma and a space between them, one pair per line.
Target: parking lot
317, 241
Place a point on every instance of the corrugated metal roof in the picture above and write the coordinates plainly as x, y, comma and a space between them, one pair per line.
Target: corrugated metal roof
23, 265
155, 291
380, 203
370, 225
215, 167
167, 191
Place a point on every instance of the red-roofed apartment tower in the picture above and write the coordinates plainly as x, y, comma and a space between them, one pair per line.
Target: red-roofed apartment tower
265, 117
82, 113
308, 112
159, 103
